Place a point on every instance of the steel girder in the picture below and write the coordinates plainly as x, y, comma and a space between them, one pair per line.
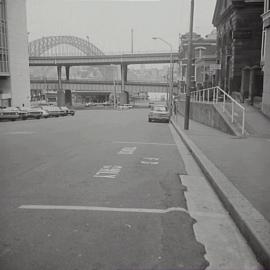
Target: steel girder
40, 46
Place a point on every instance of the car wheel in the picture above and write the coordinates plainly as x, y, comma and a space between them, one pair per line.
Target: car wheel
149, 120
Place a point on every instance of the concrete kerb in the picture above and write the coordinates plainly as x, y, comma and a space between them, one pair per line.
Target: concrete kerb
253, 226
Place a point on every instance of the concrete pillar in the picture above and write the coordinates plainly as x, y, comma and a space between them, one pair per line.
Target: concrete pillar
124, 70
60, 92
252, 83
245, 83
67, 72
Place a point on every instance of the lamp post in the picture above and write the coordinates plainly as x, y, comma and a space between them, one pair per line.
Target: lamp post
187, 107
171, 72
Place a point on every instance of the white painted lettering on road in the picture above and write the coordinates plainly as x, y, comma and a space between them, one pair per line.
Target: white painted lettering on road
108, 171
127, 151
150, 161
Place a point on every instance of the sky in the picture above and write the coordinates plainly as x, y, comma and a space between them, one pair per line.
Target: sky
108, 23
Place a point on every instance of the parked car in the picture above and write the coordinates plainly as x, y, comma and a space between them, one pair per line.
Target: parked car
45, 113
159, 113
23, 113
30, 112
52, 110
9, 114
68, 111
63, 112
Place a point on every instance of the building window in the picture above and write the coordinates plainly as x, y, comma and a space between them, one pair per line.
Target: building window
3, 39
263, 45
199, 52
266, 5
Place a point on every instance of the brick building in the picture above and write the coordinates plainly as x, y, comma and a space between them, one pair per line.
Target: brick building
202, 48
239, 28
265, 58
14, 68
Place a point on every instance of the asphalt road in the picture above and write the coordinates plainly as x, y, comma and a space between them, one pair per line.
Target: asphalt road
96, 191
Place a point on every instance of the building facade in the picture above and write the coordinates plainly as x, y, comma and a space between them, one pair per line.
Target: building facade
14, 67
265, 58
202, 48
239, 27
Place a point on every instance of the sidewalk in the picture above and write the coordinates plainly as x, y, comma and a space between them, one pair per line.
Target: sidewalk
241, 165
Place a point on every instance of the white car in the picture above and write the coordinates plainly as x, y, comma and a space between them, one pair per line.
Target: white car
159, 113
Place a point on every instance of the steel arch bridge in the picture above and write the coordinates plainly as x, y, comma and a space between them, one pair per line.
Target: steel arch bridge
39, 46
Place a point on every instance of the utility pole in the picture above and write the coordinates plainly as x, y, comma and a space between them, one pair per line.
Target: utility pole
189, 67
132, 31
114, 94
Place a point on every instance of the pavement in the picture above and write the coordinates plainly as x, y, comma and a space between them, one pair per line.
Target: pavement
238, 169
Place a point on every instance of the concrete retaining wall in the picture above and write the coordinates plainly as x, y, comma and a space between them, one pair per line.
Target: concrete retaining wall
206, 114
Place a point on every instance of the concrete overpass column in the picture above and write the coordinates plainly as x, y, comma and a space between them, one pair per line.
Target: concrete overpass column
67, 72
124, 70
60, 92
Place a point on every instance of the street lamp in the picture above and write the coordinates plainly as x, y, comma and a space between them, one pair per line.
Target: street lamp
171, 72
187, 107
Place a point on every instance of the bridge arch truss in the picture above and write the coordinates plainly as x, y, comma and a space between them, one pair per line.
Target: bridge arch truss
39, 46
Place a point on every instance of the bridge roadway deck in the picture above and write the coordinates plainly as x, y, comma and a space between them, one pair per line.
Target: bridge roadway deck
147, 58
101, 86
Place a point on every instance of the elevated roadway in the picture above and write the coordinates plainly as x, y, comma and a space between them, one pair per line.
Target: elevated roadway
101, 86
120, 59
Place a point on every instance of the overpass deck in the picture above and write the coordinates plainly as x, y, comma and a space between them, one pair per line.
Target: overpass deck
129, 59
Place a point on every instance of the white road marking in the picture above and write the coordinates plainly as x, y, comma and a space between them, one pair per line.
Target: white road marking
127, 151
103, 209
19, 133
108, 171
150, 161
166, 144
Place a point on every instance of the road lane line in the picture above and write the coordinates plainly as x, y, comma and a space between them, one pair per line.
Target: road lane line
19, 133
155, 143
103, 209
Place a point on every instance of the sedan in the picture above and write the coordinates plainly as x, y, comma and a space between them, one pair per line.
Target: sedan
159, 113
68, 111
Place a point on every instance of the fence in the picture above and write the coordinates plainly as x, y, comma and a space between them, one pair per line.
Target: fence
229, 106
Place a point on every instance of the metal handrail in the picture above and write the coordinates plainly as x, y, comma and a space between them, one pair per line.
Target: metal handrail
216, 95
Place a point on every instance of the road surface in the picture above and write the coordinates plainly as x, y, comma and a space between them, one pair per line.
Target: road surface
100, 190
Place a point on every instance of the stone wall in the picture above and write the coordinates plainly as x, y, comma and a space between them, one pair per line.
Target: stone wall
206, 114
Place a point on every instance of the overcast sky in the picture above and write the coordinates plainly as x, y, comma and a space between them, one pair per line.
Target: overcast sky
108, 23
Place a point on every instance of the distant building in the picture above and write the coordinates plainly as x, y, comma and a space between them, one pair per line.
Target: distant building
205, 63
14, 68
202, 50
265, 58
239, 27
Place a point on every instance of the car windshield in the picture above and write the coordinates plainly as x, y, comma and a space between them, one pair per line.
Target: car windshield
160, 109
